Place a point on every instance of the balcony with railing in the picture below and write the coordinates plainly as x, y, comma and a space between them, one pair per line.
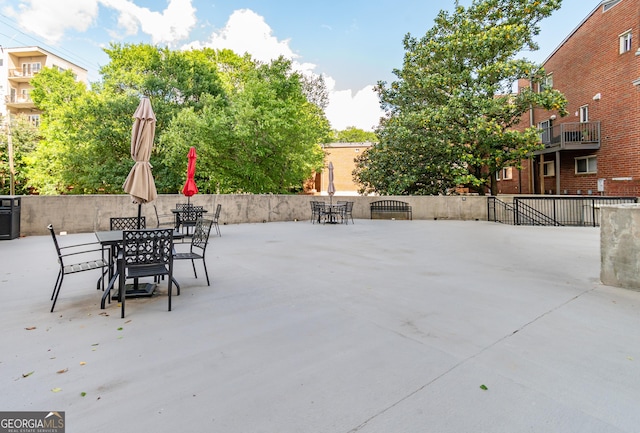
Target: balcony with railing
15, 101
570, 136
22, 75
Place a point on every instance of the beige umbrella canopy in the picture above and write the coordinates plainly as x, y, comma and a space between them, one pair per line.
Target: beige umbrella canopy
140, 184
331, 189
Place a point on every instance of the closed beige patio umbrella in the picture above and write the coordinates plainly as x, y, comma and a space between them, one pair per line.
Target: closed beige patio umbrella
331, 189
140, 184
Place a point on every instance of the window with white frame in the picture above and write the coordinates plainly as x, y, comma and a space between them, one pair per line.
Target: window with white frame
586, 164
547, 83
609, 4
584, 113
545, 131
504, 174
549, 168
30, 69
34, 119
625, 42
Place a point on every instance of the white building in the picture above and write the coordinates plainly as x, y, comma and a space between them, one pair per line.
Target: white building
17, 67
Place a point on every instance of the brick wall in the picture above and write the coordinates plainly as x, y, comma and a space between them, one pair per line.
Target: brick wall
342, 155
589, 63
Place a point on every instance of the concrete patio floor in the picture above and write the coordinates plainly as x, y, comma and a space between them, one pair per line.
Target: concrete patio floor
380, 326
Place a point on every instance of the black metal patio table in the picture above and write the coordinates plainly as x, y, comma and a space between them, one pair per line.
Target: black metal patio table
113, 239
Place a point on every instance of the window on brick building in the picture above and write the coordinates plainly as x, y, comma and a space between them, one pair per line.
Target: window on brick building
545, 131
584, 113
549, 168
547, 83
608, 5
504, 174
625, 42
586, 164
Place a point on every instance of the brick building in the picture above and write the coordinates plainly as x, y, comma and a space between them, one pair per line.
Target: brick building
596, 148
342, 156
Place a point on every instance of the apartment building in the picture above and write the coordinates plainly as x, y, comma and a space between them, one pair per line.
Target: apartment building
596, 148
17, 67
342, 156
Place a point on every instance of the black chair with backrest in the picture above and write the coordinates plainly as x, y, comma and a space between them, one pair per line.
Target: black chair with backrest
146, 253
215, 219
164, 220
317, 211
127, 223
198, 248
76, 258
189, 216
348, 212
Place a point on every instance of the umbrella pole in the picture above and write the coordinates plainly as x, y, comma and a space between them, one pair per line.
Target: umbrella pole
139, 215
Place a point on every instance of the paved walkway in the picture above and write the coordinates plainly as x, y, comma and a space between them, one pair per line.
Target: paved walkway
377, 327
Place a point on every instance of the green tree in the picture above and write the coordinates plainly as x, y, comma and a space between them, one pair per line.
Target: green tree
452, 109
354, 135
24, 138
264, 137
254, 126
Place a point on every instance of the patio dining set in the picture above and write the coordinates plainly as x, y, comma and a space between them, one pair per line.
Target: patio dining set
129, 251
339, 212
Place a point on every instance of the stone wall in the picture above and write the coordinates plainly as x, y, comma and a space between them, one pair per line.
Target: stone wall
88, 213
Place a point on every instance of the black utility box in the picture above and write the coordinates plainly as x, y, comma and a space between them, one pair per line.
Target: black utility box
9, 217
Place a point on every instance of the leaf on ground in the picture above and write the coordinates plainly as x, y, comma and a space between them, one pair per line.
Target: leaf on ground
95, 344
83, 363
64, 370
120, 328
83, 394
56, 389
27, 374
483, 387
30, 328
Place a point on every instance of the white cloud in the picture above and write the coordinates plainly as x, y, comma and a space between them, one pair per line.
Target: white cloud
247, 32
50, 19
345, 108
167, 27
244, 32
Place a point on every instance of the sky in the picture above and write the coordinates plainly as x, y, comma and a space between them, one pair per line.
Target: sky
354, 44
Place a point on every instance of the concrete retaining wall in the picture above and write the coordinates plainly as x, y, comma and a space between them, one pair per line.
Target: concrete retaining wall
88, 213
619, 247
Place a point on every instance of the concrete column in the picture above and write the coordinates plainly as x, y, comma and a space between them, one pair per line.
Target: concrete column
620, 246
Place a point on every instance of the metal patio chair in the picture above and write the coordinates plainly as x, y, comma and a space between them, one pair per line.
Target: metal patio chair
77, 258
127, 223
198, 248
146, 253
215, 219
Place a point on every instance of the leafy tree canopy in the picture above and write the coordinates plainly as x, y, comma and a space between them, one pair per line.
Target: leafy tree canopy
256, 127
452, 111
354, 135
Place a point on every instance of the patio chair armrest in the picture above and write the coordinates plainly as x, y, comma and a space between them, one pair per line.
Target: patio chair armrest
75, 253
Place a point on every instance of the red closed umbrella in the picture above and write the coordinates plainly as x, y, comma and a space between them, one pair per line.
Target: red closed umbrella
190, 188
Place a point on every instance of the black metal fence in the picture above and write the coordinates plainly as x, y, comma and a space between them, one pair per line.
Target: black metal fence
552, 210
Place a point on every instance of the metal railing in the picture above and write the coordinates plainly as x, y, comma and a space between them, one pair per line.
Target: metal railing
552, 210
571, 134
